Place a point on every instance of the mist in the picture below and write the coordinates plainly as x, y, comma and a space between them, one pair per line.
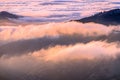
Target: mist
59, 51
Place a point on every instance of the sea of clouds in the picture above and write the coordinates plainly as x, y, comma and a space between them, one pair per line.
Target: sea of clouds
59, 51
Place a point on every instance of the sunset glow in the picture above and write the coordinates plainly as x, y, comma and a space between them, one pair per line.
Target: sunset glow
59, 39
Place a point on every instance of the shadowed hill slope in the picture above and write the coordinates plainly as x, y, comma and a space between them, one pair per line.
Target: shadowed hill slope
7, 18
111, 17
6, 15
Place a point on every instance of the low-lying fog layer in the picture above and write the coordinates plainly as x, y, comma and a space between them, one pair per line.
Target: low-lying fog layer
60, 51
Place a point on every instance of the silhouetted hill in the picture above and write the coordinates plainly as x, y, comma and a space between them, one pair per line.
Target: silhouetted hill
6, 15
6, 18
111, 17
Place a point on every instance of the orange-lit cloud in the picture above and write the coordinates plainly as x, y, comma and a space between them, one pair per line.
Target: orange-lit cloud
24, 50
54, 29
55, 55
90, 50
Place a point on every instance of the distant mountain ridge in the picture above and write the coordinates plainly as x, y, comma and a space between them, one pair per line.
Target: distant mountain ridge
6, 15
7, 18
111, 17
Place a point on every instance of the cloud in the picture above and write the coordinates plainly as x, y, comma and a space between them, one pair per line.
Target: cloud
80, 51
20, 47
46, 64
59, 51
52, 29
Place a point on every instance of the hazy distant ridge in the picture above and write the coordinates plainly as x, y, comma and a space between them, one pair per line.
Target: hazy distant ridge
6, 15
111, 17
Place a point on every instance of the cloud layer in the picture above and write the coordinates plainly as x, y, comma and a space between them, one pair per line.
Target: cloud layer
59, 51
